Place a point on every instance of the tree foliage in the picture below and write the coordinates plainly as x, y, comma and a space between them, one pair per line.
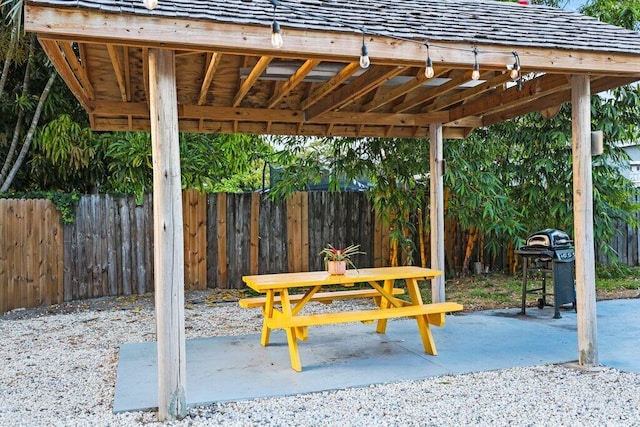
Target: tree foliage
209, 163
30, 94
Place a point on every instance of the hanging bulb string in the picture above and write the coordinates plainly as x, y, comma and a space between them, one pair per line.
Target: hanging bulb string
428, 70
364, 57
276, 36
475, 75
357, 28
514, 72
336, 23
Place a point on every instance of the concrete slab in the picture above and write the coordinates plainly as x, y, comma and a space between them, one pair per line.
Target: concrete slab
349, 355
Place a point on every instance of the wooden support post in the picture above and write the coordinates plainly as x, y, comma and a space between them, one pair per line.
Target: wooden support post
168, 236
436, 212
583, 221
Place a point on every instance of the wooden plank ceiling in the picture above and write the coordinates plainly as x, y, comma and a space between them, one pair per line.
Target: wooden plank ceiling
231, 80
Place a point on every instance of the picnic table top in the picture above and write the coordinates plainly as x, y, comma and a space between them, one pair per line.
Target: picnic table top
264, 282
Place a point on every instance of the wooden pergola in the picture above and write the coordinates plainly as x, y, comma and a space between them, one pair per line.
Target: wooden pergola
192, 66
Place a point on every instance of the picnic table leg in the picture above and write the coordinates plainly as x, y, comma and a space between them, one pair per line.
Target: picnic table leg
292, 339
384, 303
267, 314
423, 321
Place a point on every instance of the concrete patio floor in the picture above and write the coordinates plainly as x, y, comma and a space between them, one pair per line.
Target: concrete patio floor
348, 355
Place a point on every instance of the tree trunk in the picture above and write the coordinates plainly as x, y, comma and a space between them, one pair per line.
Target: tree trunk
18, 129
423, 255
29, 137
8, 60
471, 243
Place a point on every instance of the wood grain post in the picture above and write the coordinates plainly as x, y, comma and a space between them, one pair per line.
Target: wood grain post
168, 236
583, 221
436, 211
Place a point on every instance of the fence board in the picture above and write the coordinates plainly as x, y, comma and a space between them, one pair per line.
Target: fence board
112, 239
125, 248
11, 243
30, 289
304, 225
238, 238
232, 243
5, 303
149, 242
139, 251
55, 245
222, 239
294, 233
212, 241
264, 215
254, 255
195, 239
273, 243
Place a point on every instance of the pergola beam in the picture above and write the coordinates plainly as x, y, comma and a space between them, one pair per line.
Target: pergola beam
271, 115
514, 96
118, 70
253, 76
212, 65
436, 209
434, 92
168, 236
364, 83
293, 81
192, 34
449, 100
583, 221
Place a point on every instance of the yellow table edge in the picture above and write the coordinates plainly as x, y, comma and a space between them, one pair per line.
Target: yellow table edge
264, 282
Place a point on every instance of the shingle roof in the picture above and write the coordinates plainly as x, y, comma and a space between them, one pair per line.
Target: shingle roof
472, 21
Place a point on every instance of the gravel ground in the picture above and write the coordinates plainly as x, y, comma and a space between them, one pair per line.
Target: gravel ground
58, 368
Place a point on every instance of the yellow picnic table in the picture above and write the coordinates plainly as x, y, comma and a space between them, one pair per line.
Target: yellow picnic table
381, 280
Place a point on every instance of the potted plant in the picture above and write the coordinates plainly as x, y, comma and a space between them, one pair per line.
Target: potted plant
336, 260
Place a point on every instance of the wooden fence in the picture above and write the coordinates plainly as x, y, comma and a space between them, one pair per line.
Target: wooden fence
31, 254
108, 250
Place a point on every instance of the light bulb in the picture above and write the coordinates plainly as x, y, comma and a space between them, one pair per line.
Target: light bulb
364, 58
276, 36
476, 68
515, 68
429, 72
150, 4
475, 75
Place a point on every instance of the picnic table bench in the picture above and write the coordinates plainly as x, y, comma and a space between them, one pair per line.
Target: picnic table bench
276, 288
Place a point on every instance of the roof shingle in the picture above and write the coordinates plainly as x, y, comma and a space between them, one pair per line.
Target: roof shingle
471, 21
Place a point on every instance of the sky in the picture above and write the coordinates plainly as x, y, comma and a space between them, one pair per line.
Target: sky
574, 4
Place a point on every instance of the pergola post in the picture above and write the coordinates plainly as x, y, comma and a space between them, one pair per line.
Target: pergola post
436, 212
168, 235
583, 221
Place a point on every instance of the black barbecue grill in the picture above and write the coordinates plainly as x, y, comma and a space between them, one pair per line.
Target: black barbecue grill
549, 251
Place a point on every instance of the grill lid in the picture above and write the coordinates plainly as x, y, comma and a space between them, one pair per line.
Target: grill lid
549, 238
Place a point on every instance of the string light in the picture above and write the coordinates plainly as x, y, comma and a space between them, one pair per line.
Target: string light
428, 71
150, 4
365, 62
276, 36
514, 72
475, 75
364, 54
